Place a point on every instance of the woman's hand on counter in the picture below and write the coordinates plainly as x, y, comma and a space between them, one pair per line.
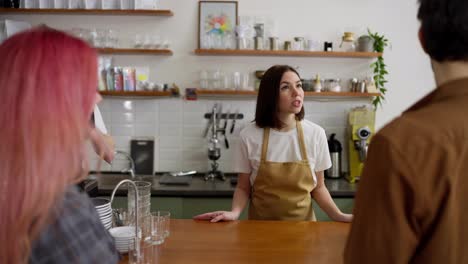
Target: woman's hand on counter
343, 218
241, 195
218, 216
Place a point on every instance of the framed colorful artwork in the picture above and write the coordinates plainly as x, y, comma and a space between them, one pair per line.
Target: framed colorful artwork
215, 19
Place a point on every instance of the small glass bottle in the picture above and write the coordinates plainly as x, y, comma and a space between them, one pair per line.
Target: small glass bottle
317, 84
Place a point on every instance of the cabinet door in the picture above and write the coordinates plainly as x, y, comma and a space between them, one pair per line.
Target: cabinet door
171, 204
345, 205
195, 206
118, 202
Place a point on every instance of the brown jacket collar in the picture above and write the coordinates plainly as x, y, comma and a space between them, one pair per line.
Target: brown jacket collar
454, 88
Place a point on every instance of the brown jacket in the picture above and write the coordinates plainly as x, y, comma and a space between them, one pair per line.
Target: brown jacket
412, 202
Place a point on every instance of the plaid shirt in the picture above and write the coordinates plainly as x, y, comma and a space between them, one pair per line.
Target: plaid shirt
75, 236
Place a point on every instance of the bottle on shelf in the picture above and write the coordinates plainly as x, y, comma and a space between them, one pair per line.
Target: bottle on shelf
317, 84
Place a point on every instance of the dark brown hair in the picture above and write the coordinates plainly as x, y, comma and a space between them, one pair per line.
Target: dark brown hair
444, 29
266, 113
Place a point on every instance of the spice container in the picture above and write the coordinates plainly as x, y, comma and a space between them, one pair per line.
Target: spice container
299, 43
307, 84
258, 43
353, 85
334, 85
274, 43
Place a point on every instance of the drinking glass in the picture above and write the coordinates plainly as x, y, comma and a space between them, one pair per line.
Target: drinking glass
141, 252
245, 81
236, 80
126, 4
214, 77
164, 219
144, 199
139, 39
112, 39
74, 4
156, 41
158, 229
203, 79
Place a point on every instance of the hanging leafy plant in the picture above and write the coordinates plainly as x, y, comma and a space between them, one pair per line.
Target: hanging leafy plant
379, 67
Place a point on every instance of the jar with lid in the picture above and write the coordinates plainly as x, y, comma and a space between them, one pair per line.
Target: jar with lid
335, 85
332, 85
347, 43
299, 43
307, 84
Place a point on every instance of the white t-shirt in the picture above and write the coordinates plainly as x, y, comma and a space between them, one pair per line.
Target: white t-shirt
282, 147
98, 121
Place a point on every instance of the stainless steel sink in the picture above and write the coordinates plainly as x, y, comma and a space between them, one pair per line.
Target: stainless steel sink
109, 181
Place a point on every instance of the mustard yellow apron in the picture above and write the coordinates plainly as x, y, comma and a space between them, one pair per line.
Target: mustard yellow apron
281, 190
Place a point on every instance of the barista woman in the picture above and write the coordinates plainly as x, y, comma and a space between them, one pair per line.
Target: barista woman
281, 157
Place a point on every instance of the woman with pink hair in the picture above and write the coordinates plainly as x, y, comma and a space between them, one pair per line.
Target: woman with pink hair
48, 83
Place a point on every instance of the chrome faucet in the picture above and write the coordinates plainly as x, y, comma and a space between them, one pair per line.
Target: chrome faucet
132, 185
130, 170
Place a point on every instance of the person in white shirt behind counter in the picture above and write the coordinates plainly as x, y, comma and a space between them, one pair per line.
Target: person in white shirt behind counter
103, 144
281, 157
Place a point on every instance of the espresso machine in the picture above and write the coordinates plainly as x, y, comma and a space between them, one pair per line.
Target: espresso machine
361, 128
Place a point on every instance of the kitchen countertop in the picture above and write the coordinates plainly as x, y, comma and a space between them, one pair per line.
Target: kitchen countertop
246, 241
338, 188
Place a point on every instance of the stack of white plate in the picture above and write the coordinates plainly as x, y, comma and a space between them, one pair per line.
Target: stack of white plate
124, 237
103, 207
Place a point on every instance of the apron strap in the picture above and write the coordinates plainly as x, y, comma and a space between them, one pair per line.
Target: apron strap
266, 135
300, 134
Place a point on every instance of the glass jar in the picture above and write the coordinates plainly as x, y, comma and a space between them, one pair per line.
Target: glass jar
347, 46
332, 85
307, 84
347, 43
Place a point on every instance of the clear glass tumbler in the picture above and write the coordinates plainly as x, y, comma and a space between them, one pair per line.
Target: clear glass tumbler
144, 199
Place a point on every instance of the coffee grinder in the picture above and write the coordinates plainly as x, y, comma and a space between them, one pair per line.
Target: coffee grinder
361, 127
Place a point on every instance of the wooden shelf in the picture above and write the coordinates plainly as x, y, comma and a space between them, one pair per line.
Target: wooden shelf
339, 94
135, 51
225, 92
306, 94
86, 12
285, 53
136, 93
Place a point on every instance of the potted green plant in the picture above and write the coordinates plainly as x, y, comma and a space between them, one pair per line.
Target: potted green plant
379, 67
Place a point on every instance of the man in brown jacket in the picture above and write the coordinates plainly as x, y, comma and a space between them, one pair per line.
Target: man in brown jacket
412, 202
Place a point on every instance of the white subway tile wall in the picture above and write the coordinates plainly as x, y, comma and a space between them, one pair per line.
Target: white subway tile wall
177, 127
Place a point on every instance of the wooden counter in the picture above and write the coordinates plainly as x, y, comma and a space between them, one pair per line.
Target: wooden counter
269, 242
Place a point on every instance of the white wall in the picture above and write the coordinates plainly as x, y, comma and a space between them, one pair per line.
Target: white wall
177, 124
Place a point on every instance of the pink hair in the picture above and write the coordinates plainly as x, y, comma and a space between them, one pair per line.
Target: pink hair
48, 83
